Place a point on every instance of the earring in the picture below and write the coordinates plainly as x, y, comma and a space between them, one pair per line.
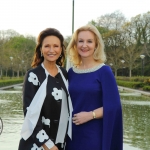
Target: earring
60, 56
41, 54
94, 49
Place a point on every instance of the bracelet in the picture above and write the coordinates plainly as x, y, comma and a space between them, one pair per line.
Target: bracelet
94, 115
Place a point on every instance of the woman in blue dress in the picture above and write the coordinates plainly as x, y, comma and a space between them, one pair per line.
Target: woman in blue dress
46, 103
97, 112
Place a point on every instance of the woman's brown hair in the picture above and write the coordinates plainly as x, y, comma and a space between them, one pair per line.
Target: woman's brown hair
37, 58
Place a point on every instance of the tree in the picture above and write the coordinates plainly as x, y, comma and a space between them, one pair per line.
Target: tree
113, 43
21, 49
110, 27
113, 21
131, 47
141, 24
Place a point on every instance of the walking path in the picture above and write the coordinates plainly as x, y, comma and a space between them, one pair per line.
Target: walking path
121, 88
10, 86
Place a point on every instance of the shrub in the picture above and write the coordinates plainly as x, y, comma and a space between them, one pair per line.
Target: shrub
136, 79
147, 81
130, 84
10, 82
146, 88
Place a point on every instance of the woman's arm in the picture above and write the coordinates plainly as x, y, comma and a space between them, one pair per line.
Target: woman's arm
31, 86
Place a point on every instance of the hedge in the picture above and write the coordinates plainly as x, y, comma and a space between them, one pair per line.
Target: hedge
146, 88
132, 84
133, 79
10, 82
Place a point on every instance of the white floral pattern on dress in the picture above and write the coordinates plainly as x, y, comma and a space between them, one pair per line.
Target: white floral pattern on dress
33, 78
57, 94
42, 136
46, 121
35, 147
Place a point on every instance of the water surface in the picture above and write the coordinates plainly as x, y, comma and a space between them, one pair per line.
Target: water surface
136, 119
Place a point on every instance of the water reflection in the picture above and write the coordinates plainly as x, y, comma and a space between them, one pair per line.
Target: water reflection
136, 116
11, 113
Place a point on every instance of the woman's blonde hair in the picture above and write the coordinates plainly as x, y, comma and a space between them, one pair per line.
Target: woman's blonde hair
99, 54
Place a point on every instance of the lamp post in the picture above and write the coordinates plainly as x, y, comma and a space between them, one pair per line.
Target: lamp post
69, 64
142, 68
72, 16
111, 64
11, 59
122, 61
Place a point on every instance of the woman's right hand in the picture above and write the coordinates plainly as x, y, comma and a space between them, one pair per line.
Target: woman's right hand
54, 148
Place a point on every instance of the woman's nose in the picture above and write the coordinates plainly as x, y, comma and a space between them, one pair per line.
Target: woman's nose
84, 44
50, 49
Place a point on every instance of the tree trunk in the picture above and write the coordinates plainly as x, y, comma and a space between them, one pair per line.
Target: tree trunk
130, 73
1, 73
18, 73
115, 72
6, 73
13, 74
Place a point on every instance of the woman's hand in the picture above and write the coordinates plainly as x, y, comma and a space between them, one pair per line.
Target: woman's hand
82, 117
53, 148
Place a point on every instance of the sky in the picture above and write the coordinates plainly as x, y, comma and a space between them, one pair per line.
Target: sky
30, 17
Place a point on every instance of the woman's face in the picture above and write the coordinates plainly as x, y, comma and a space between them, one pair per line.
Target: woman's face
86, 44
51, 48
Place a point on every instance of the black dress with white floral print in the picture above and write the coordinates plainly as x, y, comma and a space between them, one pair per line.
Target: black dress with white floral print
47, 125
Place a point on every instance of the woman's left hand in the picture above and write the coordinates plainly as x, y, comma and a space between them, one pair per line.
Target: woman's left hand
82, 117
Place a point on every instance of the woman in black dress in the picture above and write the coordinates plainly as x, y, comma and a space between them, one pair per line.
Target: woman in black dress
46, 103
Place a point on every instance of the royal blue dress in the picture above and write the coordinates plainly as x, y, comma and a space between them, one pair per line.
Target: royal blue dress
89, 90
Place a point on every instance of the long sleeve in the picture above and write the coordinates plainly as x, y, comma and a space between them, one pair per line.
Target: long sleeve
29, 90
31, 86
112, 138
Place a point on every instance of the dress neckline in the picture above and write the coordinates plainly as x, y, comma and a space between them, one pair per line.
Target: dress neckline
77, 70
47, 73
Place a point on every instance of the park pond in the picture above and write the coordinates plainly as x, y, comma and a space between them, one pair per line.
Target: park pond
136, 120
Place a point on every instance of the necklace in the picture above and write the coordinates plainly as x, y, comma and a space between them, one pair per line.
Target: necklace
88, 70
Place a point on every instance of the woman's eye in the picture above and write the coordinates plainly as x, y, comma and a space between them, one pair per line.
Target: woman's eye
89, 41
80, 41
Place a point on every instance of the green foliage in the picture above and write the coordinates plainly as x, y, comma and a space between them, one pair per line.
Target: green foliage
146, 88
10, 82
21, 49
101, 29
136, 79
132, 84
147, 81
125, 40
